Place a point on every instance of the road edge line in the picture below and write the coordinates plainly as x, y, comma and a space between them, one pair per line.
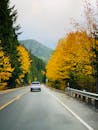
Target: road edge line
73, 113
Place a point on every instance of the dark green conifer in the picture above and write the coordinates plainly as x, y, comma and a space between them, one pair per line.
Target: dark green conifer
8, 37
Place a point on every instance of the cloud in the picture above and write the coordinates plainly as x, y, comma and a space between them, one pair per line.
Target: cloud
46, 20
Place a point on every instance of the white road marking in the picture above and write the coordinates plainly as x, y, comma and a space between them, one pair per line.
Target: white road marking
74, 114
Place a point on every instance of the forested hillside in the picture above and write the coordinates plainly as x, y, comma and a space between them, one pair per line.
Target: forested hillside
37, 70
37, 49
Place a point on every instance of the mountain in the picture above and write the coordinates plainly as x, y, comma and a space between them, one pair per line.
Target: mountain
37, 49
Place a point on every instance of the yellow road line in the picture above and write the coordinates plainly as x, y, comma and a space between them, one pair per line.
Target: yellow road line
11, 90
13, 100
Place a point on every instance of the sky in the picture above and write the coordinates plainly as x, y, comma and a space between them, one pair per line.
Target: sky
46, 21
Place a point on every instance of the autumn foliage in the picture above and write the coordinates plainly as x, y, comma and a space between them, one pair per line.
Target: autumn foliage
24, 60
71, 61
5, 69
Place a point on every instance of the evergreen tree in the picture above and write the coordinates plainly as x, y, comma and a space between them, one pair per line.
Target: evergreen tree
8, 37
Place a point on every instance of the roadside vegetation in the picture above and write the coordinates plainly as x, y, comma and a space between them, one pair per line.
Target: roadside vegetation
72, 64
16, 62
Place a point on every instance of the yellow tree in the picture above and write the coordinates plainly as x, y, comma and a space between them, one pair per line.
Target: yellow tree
79, 52
24, 60
55, 72
5, 69
72, 56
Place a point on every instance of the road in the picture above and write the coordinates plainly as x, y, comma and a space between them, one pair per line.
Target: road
36, 111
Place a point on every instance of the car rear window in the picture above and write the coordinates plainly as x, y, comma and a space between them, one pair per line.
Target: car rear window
35, 82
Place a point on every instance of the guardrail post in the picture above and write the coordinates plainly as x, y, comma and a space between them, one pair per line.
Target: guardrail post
83, 98
75, 95
71, 94
68, 90
96, 104
79, 96
89, 100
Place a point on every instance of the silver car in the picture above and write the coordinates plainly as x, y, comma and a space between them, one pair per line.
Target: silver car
35, 86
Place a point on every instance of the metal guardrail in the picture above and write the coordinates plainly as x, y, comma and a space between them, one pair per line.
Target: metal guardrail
83, 95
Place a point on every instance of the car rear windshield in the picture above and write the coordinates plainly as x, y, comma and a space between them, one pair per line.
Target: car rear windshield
35, 83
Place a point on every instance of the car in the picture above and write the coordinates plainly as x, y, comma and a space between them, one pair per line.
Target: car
35, 86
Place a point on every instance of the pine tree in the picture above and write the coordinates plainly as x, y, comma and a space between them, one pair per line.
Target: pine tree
8, 37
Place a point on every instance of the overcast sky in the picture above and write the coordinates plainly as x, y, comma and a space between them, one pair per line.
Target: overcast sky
46, 20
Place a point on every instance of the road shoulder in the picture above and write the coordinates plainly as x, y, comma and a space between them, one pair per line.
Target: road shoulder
84, 111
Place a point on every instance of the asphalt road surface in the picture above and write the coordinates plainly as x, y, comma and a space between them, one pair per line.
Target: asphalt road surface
35, 111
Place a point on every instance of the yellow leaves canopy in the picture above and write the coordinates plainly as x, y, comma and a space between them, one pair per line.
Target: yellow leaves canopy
24, 60
5, 67
73, 54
